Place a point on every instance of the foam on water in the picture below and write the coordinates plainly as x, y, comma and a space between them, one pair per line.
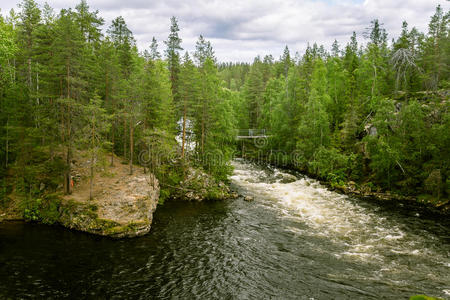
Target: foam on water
364, 234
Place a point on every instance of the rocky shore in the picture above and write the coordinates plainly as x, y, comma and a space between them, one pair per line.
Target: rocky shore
122, 204
199, 186
124, 209
363, 191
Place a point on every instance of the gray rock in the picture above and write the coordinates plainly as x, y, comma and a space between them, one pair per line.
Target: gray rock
234, 195
248, 198
118, 213
199, 186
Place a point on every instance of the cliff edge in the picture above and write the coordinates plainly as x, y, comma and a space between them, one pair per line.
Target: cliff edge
122, 204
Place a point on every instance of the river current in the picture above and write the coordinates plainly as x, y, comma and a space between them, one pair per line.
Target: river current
296, 240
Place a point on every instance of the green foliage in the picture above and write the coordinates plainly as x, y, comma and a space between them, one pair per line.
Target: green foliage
332, 165
423, 297
373, 114
45, 210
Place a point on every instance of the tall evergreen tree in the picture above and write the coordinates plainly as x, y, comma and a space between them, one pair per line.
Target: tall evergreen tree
173, 45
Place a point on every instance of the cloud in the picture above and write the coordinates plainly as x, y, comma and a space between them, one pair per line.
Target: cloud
240, 30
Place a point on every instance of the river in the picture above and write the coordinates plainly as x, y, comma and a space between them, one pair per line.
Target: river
296, 240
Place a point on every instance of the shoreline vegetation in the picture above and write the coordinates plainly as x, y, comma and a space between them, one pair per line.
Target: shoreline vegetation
369, 118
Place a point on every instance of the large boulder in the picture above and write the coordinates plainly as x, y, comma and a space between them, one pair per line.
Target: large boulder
198, 186
123, 208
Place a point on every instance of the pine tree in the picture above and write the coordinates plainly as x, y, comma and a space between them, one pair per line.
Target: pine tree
434, 60
203, 51
30, 16
68, 47
314, 127
253, 91
8, 50
335, 51
188, 94
154, 53
89, 22
94, 135
173, 44
109, 76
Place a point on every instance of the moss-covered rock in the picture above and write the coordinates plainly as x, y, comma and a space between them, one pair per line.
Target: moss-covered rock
125, 211
198, 186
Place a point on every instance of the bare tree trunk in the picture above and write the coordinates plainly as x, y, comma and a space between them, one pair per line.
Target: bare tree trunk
37, 84
112, 143
203, 133
68, 181
374, 79
184, 131
69, 138
124, 137
29, 73
7, 142
91, 185
14, 70
131, 144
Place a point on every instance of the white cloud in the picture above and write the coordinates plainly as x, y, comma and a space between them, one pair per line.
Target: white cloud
240, 30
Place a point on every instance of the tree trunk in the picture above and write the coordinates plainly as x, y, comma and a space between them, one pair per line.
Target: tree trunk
91, 185
7, 142
124, 137
203, 133
374, 80
112, 143
68, 179
131, 145
29, 73
184, 131
37, 84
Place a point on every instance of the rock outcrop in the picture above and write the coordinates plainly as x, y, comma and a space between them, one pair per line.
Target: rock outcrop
198, 186
122, 205
120, 211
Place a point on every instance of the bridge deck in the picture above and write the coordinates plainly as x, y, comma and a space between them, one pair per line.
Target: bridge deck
251, 134
252, 137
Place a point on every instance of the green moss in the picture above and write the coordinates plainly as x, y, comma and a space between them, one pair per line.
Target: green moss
131, 227
423, 297
104, 224
215, 193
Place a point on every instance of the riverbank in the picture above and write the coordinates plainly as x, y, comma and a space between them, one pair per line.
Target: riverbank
327, 247
117, 204
122, 205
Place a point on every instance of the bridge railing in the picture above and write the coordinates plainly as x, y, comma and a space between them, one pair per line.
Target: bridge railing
251, 132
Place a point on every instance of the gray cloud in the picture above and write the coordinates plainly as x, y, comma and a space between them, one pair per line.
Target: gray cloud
240, 30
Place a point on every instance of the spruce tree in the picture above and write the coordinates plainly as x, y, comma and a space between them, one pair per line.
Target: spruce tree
173, 45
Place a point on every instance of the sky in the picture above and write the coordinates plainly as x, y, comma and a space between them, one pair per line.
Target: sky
239, 30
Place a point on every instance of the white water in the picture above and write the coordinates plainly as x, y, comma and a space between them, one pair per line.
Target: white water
360, 231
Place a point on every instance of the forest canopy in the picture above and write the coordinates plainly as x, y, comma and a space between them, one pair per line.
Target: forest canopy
374, 113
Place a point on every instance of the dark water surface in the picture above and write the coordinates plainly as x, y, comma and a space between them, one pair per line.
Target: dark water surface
297, 240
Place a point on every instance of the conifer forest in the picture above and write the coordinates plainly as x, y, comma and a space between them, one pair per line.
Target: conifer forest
85, 113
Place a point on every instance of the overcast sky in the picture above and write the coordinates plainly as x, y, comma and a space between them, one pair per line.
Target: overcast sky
241, 29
